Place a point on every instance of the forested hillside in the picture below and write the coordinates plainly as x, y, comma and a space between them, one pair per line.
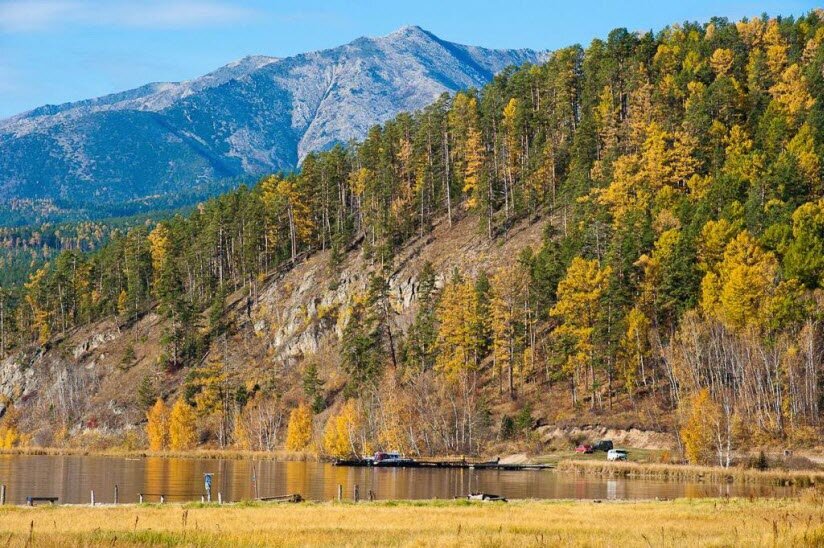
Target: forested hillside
679, 179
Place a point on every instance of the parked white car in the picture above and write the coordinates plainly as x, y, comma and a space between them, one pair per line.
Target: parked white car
616, 454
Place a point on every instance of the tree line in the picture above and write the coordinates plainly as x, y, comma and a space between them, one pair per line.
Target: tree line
680, 175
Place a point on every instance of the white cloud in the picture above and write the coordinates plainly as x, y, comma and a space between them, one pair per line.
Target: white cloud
36, 15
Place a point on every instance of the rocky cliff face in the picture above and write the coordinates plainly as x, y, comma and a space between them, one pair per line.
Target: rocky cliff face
254, 116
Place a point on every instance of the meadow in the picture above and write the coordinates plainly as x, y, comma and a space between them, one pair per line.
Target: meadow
698, 522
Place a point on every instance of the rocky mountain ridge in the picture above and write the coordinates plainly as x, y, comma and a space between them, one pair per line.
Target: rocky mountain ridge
254, 116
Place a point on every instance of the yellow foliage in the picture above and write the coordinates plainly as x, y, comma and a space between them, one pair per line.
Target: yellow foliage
160, 246
578, 306
340, 438
634, 347
182, 426
791, 92
157, 426
736, 294
713, 241
740, 161
700, 418
122, 302
10, 435
210, 383
776, 48
721, 61
802, 146
299, 430
474, 164
457, 329
240, 432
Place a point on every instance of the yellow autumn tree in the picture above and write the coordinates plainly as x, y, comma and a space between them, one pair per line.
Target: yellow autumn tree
715, 235
802, 147
457, 321
578, 306
745, 278
182, 426
776, 47
474, 164
35, 288
340, 439
721, 61
299, 430
791, 92
157, 426
513, 147
635, 349
741, 162
700, 417
160, 247
241, 437
10, 435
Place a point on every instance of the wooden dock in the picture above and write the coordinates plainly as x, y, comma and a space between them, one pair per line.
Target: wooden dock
458, 464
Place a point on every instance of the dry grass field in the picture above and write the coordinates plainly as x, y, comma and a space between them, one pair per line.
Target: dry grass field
694, 523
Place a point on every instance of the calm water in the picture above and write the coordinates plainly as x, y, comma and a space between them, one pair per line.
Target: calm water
73, 477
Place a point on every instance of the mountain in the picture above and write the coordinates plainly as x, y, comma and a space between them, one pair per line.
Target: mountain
256, 115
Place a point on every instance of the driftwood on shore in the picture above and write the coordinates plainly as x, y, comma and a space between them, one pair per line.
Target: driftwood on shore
294, 497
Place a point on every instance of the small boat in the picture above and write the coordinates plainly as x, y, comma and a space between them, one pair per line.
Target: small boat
390, 458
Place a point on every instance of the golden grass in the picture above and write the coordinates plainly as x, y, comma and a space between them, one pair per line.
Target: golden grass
677, 472
694, 523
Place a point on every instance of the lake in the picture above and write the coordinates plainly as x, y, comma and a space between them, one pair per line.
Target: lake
71, 478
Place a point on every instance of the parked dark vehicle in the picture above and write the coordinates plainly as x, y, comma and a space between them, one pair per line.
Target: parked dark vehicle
603, 445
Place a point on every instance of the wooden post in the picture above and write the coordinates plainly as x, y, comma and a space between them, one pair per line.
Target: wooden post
371, 495
3, 494
140, 498
356, 493
219, 497
92, 497
116, 494
162, 499
202, 499
340, 492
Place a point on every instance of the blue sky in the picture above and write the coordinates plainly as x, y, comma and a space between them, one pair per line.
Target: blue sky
53, 51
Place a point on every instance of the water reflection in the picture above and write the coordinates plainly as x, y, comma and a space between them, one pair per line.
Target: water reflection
71, 478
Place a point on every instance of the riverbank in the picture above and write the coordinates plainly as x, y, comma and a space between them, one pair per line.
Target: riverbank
706, 522
688, 473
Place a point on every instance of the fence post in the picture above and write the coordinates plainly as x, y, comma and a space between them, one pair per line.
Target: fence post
340, 492
92, 497
140, 498
371, 495
162, 499
3, 494
356, 493
116, 494
219, 497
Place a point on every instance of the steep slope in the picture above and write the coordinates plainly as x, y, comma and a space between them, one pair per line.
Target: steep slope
253, 116
297, 317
